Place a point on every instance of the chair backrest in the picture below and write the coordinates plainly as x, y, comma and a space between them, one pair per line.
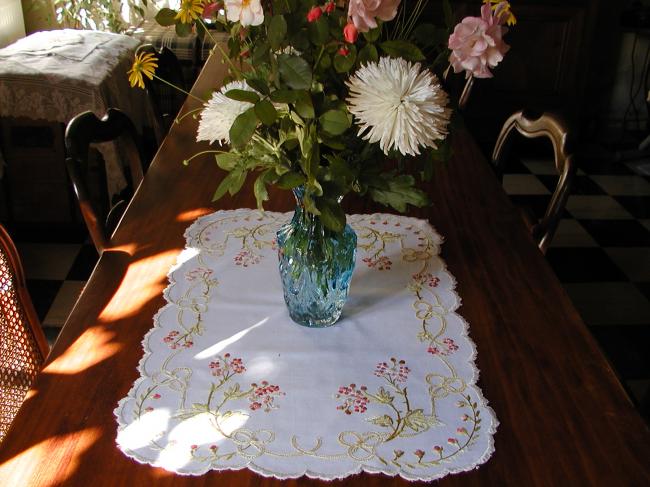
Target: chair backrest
165, 100
23, 346
86, 129
553, 127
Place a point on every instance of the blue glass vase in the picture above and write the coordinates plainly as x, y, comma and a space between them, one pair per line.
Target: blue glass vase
316, 267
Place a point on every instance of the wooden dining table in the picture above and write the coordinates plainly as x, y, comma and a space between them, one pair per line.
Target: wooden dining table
564, 417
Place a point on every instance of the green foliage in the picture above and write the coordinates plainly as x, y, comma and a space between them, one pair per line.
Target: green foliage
298, 130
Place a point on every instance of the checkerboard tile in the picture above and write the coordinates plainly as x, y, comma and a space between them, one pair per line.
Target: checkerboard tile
601, 254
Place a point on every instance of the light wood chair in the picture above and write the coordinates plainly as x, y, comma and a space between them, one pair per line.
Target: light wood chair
553, 127
23, 347
86, 129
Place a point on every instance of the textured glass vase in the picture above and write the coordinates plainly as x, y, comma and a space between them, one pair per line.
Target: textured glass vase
316, 266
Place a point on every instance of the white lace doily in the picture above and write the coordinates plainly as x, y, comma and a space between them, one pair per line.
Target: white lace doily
228, 381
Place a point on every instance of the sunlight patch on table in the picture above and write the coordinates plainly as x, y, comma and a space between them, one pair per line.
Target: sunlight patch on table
93, 346
141, 284
145, 429
221, 345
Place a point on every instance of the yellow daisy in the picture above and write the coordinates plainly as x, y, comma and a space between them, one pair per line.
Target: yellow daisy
143, 64
189, 10
505, 7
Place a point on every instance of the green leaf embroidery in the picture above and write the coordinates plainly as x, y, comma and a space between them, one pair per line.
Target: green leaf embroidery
384, 421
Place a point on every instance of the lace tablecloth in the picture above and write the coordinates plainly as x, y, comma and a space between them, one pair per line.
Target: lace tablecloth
55, 75
228, 381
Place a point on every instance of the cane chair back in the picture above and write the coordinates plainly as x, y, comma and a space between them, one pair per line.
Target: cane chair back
23, 346
554, 128
82, 131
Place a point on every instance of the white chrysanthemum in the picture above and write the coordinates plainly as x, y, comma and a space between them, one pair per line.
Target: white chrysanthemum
399, 105
220, 112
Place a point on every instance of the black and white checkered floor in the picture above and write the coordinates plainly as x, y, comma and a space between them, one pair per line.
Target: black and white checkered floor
601, 254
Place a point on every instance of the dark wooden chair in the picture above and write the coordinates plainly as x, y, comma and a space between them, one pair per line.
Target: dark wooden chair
533, 126
165, 100
86, 129
23, 347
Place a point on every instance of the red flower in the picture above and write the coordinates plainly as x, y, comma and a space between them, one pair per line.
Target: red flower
314, 14
210, 9
350, 33
343, 51
329, 7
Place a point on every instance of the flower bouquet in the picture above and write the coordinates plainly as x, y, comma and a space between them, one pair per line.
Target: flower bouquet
327, 99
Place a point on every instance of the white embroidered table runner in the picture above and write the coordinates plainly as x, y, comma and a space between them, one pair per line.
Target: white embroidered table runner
229, 381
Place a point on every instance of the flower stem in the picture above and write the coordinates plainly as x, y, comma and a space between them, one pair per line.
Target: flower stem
179, 89
181, 117
187, 161
218, 46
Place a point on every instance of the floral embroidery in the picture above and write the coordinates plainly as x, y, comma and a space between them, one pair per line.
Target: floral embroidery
245, 258
380, 263
449, 347
401, 418
175, 340
263, 396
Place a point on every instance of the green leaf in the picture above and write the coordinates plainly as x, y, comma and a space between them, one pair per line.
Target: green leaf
260, 53
165, 17
259, 189
334, 122
384, 421
373, 34
427, 35
242, 95
403, 49
331, 214
310, 206
319, 32
368, 54
325, 62
243, 128
258, 85
224, 187
399, 193
227, 161
284, 96
265, 112
304, 105
295, 71
277, 30
339, 171
343, 64
183, 30
238, 181
290, 180
332, 142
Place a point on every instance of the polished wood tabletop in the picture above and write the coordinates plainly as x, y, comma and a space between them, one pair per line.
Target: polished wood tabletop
565, 419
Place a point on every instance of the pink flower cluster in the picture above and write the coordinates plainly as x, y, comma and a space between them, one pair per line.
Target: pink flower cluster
246, 258
173, 340
396, 371
449, 347
427, 279
199, 273
355, 400
221, 366
382, 263
477, 42
263, 395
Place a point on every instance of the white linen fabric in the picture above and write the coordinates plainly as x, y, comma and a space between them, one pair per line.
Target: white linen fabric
55, 75
228, 381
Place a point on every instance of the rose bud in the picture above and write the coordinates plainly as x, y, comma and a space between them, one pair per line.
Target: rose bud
314, 14
330, 7
350, 33
344, 51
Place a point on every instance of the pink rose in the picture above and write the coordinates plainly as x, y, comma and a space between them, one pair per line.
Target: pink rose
477, 44
350, 33
364, 12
